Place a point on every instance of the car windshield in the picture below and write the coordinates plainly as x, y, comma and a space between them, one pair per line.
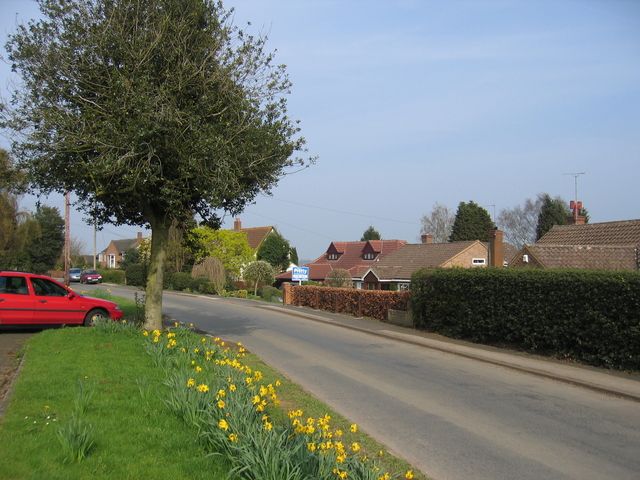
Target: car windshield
75, 270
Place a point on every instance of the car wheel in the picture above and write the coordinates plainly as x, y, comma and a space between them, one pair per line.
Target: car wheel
95, 315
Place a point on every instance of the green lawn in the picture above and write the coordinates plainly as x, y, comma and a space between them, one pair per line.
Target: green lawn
134, 437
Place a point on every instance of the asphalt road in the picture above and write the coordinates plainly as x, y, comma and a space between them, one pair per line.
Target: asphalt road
451, 417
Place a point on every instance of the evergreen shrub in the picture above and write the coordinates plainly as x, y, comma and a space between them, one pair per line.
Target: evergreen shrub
136, 274
110, 275
590, 316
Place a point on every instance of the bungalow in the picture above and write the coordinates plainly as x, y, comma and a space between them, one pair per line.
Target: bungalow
255, 235
606, 246
394, 271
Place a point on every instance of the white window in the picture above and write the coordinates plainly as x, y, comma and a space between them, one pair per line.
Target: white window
332, 256
403, 286
478, 261
369, 256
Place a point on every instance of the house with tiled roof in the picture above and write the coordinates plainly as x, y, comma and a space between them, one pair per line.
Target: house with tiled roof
604, 246
255, 235
395, 270
112, 256
355, 257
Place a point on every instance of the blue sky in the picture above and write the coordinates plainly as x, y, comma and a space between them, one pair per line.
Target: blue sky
408, 103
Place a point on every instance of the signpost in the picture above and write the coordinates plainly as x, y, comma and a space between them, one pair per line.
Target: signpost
300, 274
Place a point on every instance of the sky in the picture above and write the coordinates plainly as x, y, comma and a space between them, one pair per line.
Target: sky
407, 103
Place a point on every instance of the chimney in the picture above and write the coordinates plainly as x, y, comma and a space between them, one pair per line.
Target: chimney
237, 225
496, 248
575, 218
426, 238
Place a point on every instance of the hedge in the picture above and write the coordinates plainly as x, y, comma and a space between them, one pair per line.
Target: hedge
110, 275
136, 274
362, 303
590, 316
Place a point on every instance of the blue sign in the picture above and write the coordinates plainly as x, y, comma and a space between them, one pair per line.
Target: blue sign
300, 274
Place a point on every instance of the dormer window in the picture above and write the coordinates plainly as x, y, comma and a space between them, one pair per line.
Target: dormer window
369, 256
332, 256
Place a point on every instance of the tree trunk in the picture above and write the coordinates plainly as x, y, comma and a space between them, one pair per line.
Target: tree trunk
255, 289
155, 275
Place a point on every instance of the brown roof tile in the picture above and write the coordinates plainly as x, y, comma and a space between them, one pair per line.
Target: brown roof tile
584, 256
256, 235
402, 263
626, 232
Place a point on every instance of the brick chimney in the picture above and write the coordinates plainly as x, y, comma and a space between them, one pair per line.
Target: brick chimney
237, 225
575, 218
496, 248
426, 238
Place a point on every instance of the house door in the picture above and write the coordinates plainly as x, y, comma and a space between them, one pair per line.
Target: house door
112, 261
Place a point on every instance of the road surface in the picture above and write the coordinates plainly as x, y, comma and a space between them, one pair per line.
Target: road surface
451, 417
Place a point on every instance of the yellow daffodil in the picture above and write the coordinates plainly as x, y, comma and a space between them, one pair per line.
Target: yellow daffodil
220, 404
409, 474
268, 426
191, 383
223, 425
232, 387
198, 368
145, 333
202, 388
355, 447
353, 428
233, 437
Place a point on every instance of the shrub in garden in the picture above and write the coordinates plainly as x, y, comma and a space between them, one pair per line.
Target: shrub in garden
208, 288
111, 275
268, 293
259, 273
591, 316
339, 278
181, 281
213, 270
136, 274
197, 283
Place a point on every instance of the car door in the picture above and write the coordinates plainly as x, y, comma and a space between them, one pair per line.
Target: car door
16, 303
53, 303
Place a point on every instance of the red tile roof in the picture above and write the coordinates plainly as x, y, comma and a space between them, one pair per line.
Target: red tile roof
350, 258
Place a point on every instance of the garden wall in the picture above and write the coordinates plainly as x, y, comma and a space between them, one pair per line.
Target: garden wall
361, 303
590, 316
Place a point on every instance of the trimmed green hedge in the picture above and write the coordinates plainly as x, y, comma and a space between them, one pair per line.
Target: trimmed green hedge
136, 274
111, 275
590, 316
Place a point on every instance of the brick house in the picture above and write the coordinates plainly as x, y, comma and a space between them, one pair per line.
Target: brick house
255, 235
605, 246
395, 270
112, 256
355, 257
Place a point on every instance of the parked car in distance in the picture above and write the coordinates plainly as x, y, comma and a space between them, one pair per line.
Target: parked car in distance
30, 299
90, 276
74, 274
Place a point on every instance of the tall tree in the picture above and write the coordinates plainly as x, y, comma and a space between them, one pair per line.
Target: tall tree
553, 211
228, 246
438, 223
472, 222
45, 249
370, 234
276, 250
150, 111
519, 223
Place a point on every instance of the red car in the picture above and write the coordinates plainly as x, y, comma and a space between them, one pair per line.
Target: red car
90, 276
29, 299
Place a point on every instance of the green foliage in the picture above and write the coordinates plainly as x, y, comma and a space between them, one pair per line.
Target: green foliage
131, 256
259, 273
270, 293
209, 288
293, 256
228, 246
590, 316
370, 234
43, 249
472, 222
76, 438
111, 275
181, 281
553, 211
136, 274
339, 278
276, 250
198, 284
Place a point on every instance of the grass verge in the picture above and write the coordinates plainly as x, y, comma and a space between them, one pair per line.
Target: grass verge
134, 436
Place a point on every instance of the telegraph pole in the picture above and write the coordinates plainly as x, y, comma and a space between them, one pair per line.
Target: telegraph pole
67, 237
